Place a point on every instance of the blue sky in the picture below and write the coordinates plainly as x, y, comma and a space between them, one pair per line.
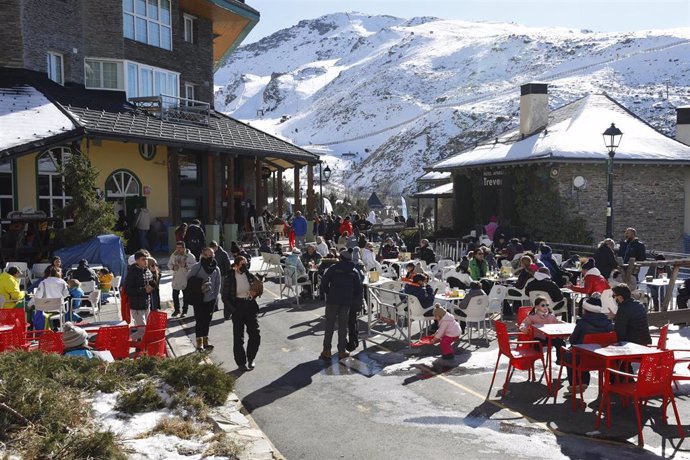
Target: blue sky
603, 16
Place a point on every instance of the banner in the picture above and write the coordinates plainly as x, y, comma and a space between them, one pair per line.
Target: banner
404, 207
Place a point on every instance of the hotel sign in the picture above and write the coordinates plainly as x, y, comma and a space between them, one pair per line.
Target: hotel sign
492, 178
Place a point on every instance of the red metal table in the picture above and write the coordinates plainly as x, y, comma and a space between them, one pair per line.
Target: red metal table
550, 332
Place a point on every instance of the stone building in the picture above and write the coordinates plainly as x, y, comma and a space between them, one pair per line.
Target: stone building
129, 84
554, 166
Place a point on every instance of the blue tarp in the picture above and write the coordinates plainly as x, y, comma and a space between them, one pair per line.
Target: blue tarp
103, 250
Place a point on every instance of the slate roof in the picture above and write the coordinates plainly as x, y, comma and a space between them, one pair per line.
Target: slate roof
106, 114
574, 134
435, 177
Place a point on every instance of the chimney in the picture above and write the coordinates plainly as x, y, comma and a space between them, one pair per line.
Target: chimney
683, 124
534, 107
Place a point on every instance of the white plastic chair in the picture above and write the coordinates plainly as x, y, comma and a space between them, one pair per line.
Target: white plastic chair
94, 299
438, 286
264, 261
415, 312
115, 289
88, 286
51, 305
476, 314
38, 270
522, 298
558, 258
496, 297
389, 301
292, 284
559, 308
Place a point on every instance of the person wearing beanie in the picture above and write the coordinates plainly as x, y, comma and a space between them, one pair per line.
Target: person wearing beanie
557, 275
593, 281
542, 282
75, 341
593, 321
295, 270
343, 286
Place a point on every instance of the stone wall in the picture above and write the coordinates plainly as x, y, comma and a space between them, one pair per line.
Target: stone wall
11, 51
649, 198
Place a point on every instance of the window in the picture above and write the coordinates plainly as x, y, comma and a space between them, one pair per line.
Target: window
51, 183
189, 28
144, 80
148, 21
103, 74
189, 169
147, 151
56, 68
121, 184
189, 91
6, 188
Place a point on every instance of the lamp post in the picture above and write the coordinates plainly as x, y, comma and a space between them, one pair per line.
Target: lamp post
324, 173
612, 139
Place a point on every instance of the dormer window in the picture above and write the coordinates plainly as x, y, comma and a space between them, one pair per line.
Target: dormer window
148, 21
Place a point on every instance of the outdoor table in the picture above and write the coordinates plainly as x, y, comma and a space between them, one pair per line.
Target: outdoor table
92, 267
550, 332
93, 328
661, 283
620, 351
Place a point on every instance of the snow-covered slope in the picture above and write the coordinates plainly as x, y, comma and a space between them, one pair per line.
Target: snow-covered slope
402, 93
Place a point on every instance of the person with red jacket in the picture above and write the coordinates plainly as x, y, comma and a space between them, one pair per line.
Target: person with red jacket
346, 226
593, 281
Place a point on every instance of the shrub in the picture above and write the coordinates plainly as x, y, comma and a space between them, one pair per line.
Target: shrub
145, 398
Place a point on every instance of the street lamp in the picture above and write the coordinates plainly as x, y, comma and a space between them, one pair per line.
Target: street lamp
612, 139
324, 173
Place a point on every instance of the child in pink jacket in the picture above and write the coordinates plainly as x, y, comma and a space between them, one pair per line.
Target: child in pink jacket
448, 331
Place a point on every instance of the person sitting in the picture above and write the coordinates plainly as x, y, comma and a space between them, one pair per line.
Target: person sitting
9, 287
514, 248
630, 321
593, 281
389, 250
321, 246
557, 275
105, 283
683, 294
76, 293
460, 278
542, 282
448, 331
478, 267
369, 258
352, 241
311, 257
75, 341
475, 290
409, 273
616, 278
237, 251
425, 253
593, 321
295, 270
342, 241
422, 291
541, 314
52, 287
84, 273
266, 247
328, 261
499, 243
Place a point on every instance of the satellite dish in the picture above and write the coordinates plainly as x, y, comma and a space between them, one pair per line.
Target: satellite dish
579, 182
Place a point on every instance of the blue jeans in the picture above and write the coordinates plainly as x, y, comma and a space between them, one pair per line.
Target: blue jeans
143, 239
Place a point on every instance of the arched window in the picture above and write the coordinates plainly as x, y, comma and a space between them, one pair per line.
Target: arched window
51, 182
121, 184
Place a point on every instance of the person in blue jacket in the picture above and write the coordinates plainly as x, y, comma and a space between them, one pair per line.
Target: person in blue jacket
299, 225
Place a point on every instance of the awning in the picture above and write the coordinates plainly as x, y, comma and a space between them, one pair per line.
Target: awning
442, 191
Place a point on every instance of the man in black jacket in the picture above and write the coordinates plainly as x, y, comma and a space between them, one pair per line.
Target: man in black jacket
222, 259
631, 247
630, 321
425, 253
139, 286
342, 285
542, 282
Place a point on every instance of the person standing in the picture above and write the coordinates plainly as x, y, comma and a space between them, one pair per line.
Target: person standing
195, 238
630, 321
299, 225
240, 305
605, 258
209, 273
180, 262
223, 261
342, 284
632, 250
138, 286
143, 225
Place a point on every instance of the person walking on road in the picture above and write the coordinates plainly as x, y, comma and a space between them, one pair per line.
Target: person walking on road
180, 262
209, 273
342, 284
240, 306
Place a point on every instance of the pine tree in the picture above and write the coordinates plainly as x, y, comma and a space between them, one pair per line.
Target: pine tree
92, 215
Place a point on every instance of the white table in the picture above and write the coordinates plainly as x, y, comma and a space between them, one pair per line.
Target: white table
661, 283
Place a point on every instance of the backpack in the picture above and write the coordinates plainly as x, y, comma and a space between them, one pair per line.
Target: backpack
193, 293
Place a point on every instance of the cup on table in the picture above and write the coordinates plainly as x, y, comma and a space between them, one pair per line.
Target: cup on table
664, 276
648, 278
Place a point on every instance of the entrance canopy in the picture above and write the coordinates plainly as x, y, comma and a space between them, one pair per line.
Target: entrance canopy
442, 191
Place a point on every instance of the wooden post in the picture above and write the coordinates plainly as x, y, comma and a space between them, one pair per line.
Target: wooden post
230, 216
258, 183
211, 189
274, 192
669, 289
279, 208
310, 190
298, 198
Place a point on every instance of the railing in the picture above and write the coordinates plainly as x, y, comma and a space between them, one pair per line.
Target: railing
172, 108
450, 248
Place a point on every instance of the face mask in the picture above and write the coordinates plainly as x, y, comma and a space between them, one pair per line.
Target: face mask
243, 269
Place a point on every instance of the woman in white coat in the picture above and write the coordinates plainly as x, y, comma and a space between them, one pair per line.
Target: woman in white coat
369, 258
180, 262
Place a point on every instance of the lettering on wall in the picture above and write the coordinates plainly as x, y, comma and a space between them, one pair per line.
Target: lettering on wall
492, 178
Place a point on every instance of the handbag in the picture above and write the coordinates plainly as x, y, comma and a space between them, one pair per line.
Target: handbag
256, 288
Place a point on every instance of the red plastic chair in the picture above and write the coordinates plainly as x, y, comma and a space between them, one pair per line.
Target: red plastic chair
663, 336
51, 342
153, 341
114, 339
521, 359
652, 381
8, 316
13, 339
522, 313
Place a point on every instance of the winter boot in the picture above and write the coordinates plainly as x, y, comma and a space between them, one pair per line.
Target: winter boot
199, 344
207, 347
325, 354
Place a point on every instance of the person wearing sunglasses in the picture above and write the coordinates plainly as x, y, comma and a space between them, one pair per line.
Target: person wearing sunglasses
541, 314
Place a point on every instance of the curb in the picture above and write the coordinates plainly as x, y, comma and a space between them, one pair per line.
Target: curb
231, 418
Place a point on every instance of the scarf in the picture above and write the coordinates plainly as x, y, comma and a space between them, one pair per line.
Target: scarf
209, 265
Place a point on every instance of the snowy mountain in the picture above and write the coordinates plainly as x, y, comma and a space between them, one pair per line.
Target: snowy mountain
402, 94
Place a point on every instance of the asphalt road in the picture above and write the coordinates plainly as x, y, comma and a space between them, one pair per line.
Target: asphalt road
385, 404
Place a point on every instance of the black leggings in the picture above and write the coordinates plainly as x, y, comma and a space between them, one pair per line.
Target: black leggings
202, 318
